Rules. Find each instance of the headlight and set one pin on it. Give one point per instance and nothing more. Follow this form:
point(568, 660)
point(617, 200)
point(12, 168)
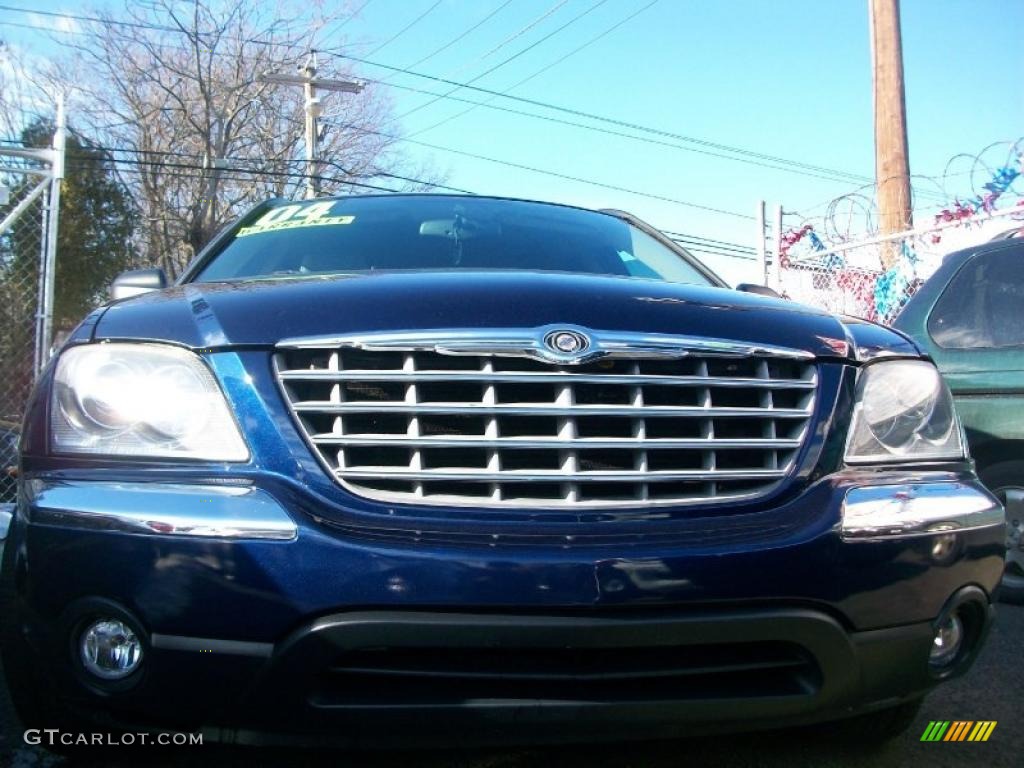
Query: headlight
point(141, 400)
point(903, 411)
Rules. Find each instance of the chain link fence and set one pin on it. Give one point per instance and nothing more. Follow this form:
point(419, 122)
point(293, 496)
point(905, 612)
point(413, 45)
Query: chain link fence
point(874, 278)
point(852, 282)
point(24, 183)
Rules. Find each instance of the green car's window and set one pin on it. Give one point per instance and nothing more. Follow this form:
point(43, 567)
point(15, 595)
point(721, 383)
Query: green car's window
point(983, 305)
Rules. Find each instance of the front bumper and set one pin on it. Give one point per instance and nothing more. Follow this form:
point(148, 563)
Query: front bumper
point(417, 678)
point(648, 675)
point(273, 621)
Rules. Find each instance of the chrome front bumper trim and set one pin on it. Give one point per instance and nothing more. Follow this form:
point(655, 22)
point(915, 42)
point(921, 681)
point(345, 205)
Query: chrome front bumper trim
point(211, 645)
point(206, 511)
point(917, 509)
point(530, 342)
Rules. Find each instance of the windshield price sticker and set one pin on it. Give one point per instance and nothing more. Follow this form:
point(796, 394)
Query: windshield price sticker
point(294, 216)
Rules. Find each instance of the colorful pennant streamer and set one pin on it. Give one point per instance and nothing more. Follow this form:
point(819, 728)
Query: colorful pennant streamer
point(963, 210)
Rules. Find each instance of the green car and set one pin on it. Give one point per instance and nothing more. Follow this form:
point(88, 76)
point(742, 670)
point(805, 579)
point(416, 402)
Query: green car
point(970, 317)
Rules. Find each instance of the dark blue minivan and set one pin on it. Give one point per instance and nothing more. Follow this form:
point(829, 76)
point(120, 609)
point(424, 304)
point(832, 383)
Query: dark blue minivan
point(415, 469)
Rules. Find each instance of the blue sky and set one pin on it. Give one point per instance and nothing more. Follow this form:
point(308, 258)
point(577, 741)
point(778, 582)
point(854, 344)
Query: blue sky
point(790, 79)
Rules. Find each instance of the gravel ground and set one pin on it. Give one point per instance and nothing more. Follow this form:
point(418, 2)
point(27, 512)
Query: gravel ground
point(993, 690)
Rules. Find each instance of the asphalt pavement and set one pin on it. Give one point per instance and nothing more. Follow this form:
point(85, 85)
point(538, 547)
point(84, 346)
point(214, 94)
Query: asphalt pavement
point(992, 690)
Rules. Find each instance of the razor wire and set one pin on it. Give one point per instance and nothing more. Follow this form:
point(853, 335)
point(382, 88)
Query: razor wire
point(837, 261)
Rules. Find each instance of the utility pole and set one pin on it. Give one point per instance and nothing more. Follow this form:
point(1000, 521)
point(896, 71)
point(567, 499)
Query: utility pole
point(892, 169)
point(310, 82)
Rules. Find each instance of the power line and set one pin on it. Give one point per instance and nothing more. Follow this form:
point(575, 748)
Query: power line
point(590, 182)
point(207, 170)
point(609, 131)
point(439, 148)
point(554, 174)
point(464, 34)
point(405, 29)
point(44, 29)
point(703, 248)
point(518, 166)
point(171, 174)
point(559, 121)
point(76, 163)
point(138, 167)
point(262, 172)
point(609, 120)
point(692, 242)
point(73, 164)
point(507, 110)
point(410, 179)
point(143, 25)
point(547, 118)
point(733, 248)
point(354, 14)
point(508, 60)
point(717, 253)
point(587, 44)
point(714, 249)
point(684, 235)
point(518, 33)
point(96, 19)
point(782, 163)
point(543, 69)
point(135, 25)
point(160, 153)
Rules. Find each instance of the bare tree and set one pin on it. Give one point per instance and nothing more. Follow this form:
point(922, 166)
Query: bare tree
point(176, 88)
point(17, 106)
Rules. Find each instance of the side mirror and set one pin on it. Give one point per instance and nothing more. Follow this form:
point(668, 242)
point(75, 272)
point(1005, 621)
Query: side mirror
point(760, 290)
point(136, 281)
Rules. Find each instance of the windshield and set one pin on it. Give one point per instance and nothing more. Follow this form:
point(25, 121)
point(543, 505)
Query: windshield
point(433, 232)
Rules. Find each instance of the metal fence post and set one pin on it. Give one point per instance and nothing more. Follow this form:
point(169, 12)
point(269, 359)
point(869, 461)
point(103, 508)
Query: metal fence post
point(52, 224)
point(762, 256)
point(39, 349)
point(776, 280)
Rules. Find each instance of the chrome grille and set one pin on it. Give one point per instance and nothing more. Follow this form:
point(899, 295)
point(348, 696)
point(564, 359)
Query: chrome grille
point(494, 419)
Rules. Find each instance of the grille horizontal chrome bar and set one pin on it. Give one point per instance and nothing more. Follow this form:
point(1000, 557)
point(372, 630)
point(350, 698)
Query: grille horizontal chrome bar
point(524, 409)
point(562, 476)
point(541, 442)
point(542, 376)
point(494, 418)
point(526, 342)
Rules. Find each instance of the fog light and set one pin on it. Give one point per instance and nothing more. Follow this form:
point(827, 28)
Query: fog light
point(110, 649)
point(949, 639)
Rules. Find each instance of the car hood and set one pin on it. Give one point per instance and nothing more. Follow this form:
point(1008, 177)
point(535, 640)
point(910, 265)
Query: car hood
point(263, 312)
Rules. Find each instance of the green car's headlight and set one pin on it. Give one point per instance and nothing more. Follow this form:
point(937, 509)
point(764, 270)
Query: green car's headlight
point(141, 400)
point(904, 411)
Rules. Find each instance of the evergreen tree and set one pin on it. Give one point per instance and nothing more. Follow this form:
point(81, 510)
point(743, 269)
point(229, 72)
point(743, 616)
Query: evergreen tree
point(96, 226)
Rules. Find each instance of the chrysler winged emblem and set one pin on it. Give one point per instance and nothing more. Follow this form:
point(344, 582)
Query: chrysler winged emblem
point(566, 342)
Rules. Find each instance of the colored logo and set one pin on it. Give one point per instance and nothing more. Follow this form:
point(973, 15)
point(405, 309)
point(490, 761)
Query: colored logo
point(958, 730)
point(567, 342)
